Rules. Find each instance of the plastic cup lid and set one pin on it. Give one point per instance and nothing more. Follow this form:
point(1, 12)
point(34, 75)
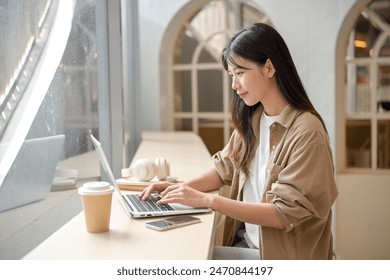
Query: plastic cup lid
point(95, 188)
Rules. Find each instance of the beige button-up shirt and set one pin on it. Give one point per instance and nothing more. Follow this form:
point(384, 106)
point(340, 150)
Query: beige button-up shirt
point(300, 184)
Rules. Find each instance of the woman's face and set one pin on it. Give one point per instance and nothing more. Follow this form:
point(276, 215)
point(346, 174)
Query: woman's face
point(250, 81)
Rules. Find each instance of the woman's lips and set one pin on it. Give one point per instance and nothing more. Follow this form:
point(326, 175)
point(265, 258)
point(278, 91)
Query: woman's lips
point(242, 94)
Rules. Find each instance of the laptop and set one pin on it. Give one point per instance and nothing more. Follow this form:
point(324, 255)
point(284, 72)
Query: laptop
point(31, 175)
point(136, 207)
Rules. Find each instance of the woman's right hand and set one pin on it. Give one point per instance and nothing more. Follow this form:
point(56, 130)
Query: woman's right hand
point(156, 187)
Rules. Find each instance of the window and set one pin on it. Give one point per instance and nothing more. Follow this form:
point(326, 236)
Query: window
point(201, 88)
point(367, 110)
point(20, 27)
point(70, 105)
point(50, 81)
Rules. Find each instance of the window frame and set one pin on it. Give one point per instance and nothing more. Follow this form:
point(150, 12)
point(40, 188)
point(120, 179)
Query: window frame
point(342, 105)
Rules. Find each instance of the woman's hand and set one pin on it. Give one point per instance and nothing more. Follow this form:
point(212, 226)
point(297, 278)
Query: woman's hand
point(186, 195)
point(157, 187)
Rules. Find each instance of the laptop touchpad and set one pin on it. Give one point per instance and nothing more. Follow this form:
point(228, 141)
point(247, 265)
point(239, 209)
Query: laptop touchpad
point(179, 206)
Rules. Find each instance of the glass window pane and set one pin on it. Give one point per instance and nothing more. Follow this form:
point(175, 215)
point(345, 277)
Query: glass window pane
point(185, 47)
point(182, 91)
point(208, 21)
point(217, 43)
point(211, 132)
point(384, 144)
point(183, 124)
point(210, 91)
point(70, 106)
point(365, 37)
point(206, 57)
point(385, 50)
point(20, 24)
point(19, 21)
point(384, 89)
point(382, 8)
point(358, 142)
point(358, 90)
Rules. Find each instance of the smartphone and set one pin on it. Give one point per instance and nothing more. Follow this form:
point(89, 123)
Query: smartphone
point(174, 222)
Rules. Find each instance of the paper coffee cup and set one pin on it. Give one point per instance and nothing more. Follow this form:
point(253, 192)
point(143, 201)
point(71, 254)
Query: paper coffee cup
point(96, 199)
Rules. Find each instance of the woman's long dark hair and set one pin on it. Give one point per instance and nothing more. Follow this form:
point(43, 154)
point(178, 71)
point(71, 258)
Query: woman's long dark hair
point(257, 43)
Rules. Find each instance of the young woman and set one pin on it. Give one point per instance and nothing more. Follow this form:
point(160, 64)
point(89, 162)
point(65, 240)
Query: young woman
point(278, 161)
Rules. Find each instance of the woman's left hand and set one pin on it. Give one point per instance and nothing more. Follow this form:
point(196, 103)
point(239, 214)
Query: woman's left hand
point(185, 195)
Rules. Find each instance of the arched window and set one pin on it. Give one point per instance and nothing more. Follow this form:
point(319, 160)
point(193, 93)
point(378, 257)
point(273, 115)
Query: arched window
point(363, 130)
point(367, 89)
point(199, 89)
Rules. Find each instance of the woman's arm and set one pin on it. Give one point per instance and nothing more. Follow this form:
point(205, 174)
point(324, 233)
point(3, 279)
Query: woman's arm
point(206, 182)
point(194, 193)
point(209, 181)
point(263, 214)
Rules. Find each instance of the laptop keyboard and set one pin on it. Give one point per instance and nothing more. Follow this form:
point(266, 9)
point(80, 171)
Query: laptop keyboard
point(149, 205)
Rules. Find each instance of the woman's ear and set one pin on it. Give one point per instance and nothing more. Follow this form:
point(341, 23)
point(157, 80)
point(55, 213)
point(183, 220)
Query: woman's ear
point(270, 68)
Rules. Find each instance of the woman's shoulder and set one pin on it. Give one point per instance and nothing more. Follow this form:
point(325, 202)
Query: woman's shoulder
point(309, 126)
point(309, 121)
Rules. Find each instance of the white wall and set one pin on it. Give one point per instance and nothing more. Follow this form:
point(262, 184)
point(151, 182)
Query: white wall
point(154, 16)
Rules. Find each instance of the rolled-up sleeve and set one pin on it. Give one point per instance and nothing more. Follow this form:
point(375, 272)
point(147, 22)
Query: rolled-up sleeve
point(223, 162)
point(304, 186)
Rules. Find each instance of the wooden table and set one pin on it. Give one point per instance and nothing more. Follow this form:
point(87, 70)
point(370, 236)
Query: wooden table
point(128, 238)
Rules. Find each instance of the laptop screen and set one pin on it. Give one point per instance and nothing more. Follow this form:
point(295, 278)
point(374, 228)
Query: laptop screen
point(107, 170)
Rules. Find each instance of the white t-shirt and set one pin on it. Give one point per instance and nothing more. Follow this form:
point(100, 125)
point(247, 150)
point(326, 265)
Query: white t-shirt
point(255, 181)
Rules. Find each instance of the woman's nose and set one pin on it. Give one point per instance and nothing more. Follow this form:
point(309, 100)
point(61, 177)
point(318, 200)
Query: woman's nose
point(234, 85)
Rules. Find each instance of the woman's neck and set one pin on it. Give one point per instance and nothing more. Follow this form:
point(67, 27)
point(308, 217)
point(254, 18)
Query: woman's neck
point(275, 105)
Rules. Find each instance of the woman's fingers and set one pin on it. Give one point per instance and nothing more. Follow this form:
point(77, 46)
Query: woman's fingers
point(169, 190)
point(157, 187)
point(185, 195)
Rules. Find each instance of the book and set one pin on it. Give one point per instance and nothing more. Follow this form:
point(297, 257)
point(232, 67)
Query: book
point(132, 184)
point(65, 179)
